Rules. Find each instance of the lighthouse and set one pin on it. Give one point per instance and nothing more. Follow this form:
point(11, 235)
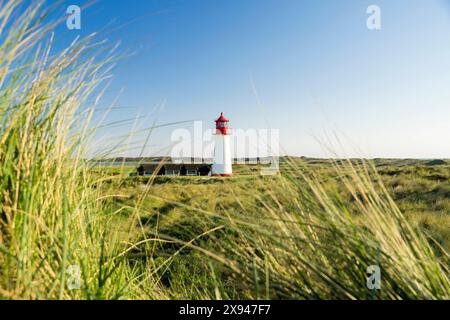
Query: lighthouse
point(222, 150)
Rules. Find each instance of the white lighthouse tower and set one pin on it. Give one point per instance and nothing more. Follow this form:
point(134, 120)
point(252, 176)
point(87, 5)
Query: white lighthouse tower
point(222, 165)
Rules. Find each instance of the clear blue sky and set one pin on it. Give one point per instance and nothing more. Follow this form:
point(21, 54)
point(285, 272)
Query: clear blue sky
point(315, 66)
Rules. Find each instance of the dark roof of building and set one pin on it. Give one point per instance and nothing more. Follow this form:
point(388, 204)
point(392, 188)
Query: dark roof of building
point(172, 166)
point(196, 166)
point(150, 166)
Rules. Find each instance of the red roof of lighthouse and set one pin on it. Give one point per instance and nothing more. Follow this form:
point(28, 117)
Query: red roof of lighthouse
point(222, 118)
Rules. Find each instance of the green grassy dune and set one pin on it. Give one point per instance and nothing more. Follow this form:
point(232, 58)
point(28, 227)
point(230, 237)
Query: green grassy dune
point(69, 230)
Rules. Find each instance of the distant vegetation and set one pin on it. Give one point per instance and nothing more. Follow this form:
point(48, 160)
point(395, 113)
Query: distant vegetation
point(307, 233)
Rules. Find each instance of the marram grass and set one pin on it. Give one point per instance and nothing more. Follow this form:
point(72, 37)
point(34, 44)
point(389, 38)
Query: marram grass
point(289, 236)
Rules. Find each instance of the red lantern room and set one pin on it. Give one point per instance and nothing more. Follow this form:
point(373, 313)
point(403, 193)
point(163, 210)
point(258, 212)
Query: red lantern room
point(222, 125)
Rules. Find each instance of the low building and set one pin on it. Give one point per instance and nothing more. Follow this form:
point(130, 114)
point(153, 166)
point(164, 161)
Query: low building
point(174, 170)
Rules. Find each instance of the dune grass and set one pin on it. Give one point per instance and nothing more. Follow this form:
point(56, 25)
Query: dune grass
point(286, 236)
point(47, 199)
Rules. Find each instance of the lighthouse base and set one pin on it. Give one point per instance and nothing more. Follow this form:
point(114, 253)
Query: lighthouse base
point(222, 166)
